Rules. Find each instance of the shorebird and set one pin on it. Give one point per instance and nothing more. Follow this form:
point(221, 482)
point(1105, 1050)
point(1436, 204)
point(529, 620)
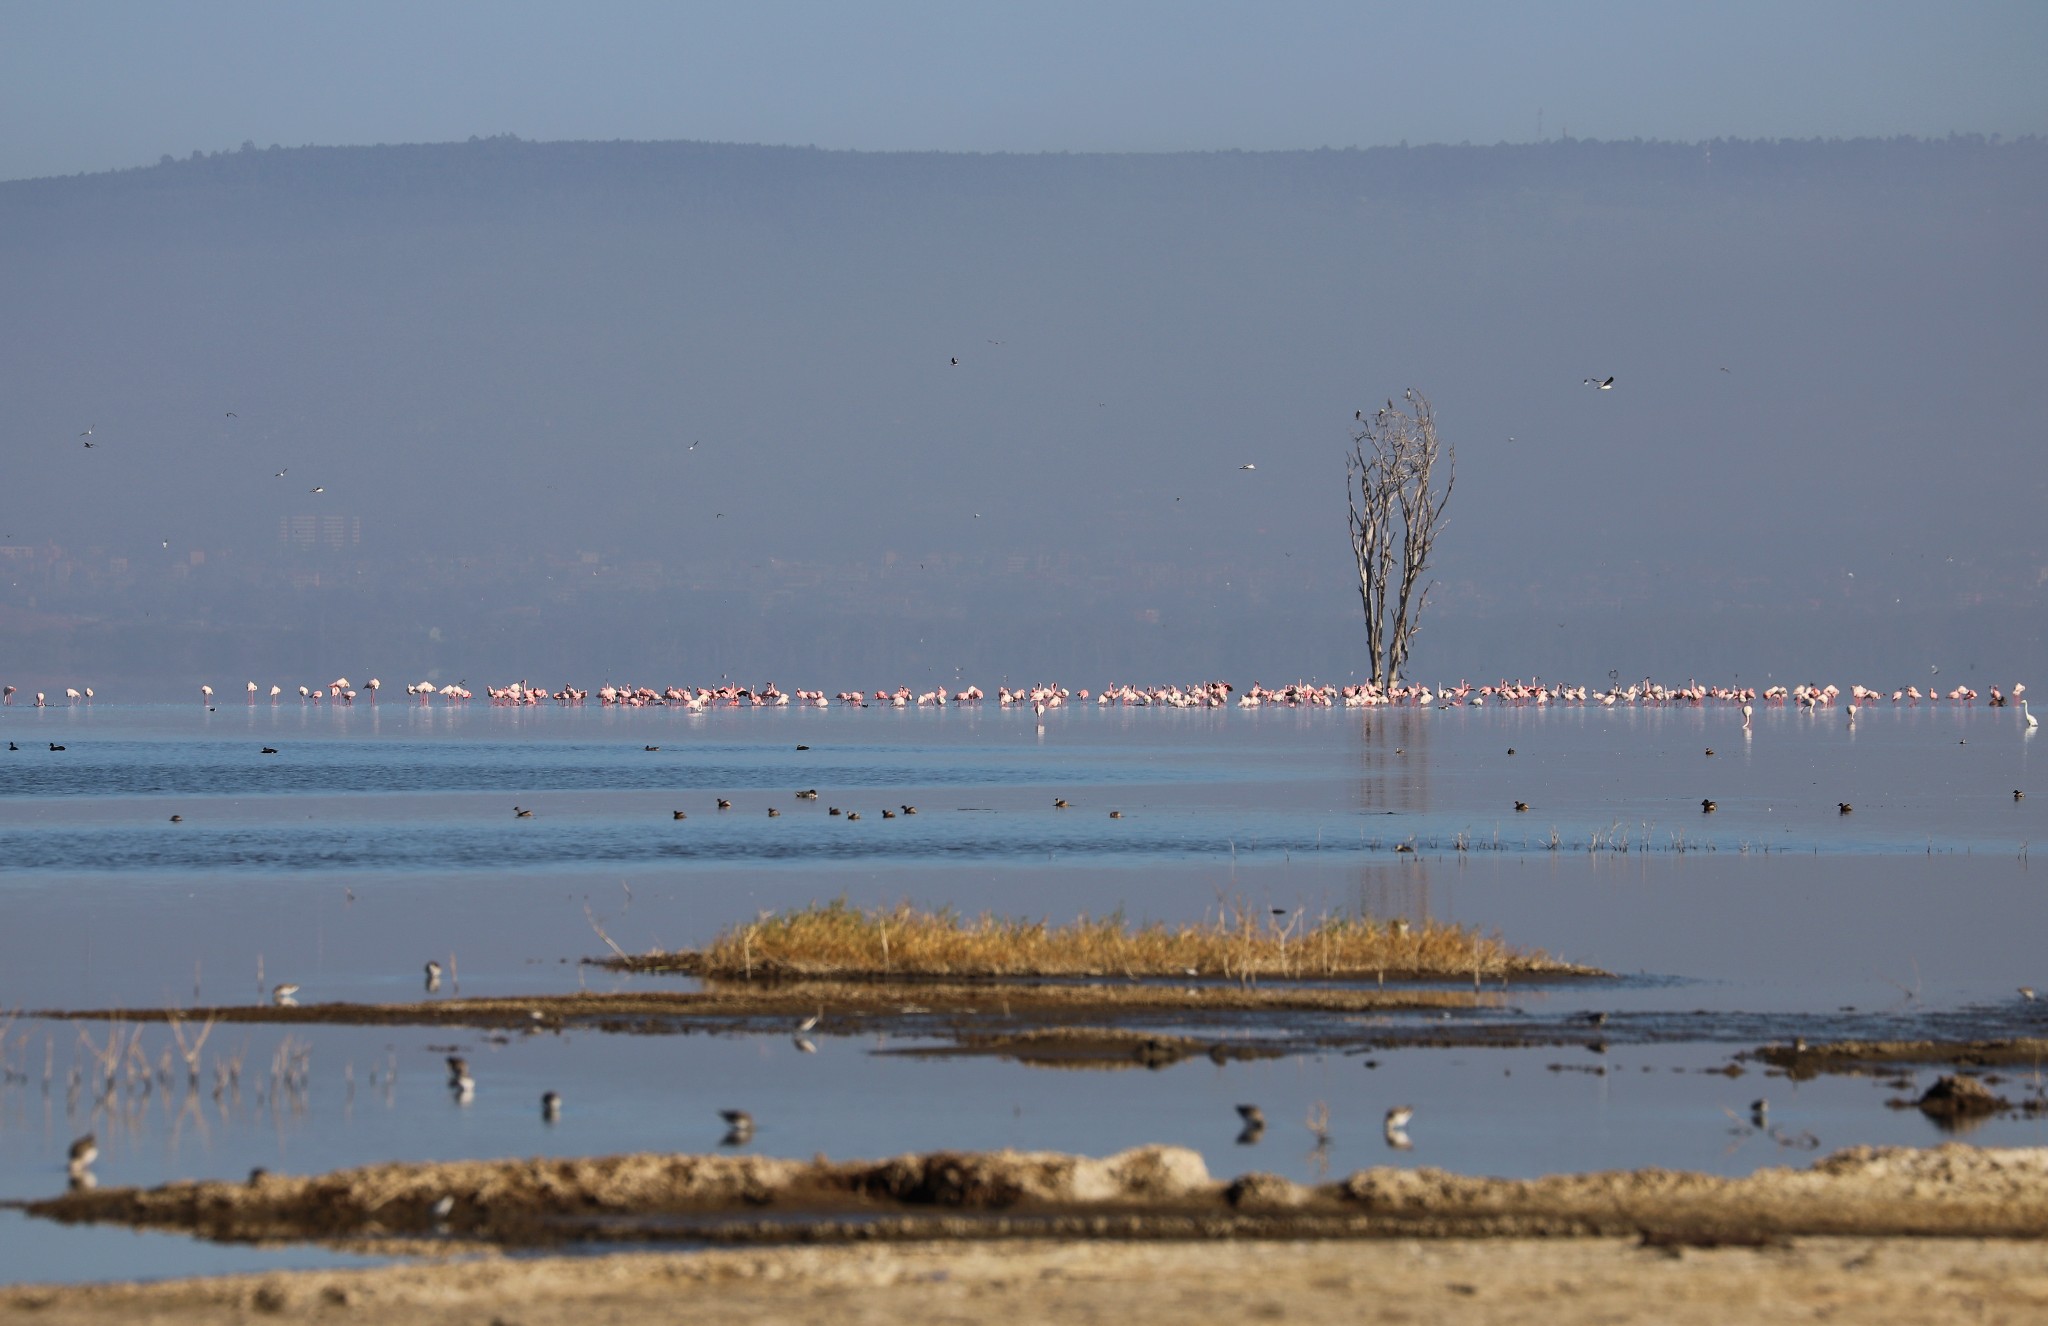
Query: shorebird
point(739, 1127)
point(809, 1022)
point(285, 996)
point(459, 1081)
point(1760, 1112)
point(2027, 993)
point(550, 1106)
point(433, 975)
point(1252, 1115)
point(1395, 1127)
point(84, 1151)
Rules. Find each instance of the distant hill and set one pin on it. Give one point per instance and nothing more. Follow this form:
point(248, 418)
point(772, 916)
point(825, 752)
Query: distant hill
point(494, 359)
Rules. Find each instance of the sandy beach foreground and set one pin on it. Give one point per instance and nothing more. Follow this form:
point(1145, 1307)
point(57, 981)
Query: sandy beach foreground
point(1404, 1280)
point(1867, 1234)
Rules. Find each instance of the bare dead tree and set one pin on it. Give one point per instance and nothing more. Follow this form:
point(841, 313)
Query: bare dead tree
point(1397, 511)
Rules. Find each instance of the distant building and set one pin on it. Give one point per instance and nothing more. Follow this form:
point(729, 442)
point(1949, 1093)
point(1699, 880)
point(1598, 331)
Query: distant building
point(320, 531)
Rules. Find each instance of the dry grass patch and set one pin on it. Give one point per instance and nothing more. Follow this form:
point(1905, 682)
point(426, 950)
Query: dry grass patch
point(844, 942)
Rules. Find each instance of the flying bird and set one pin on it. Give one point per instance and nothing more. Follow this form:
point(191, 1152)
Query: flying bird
point(316, 490)
point(1247, 467)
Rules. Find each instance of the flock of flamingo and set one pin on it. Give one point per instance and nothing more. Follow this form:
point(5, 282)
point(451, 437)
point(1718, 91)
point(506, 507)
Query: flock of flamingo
point(1202, 695)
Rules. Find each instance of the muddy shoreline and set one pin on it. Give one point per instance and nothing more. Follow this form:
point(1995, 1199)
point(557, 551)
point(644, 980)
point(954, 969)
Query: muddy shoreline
point(1146, 1193)
point(1876, 1234)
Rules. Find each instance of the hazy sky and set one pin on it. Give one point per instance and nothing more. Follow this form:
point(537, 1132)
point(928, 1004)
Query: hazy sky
point(88, 85)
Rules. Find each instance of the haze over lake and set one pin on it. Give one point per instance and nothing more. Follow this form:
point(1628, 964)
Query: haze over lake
point(665, 411)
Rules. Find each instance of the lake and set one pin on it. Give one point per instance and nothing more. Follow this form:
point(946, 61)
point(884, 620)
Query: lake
point(379, 836)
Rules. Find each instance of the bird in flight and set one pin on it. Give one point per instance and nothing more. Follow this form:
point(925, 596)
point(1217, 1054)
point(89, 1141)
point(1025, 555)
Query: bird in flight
point(233, 415)
point(956, 361)
point(1247, 467)
point(1607, 385)
point(280, 474)
point(316, 490)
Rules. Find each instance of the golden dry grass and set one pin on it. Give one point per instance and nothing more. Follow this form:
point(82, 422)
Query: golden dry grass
point(838, 940)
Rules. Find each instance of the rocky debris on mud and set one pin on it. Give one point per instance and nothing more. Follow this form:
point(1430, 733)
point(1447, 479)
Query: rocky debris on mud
point(1960, 1097)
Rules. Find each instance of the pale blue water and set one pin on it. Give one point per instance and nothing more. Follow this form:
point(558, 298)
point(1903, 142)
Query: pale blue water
point(380, 836)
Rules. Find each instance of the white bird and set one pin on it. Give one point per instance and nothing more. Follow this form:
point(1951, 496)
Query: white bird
point(1247, 467)
point(2028, 718)
point(285, 996)
point(316, 490)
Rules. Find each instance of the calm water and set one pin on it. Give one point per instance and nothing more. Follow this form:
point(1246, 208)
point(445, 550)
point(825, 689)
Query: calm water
point(380, 836)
